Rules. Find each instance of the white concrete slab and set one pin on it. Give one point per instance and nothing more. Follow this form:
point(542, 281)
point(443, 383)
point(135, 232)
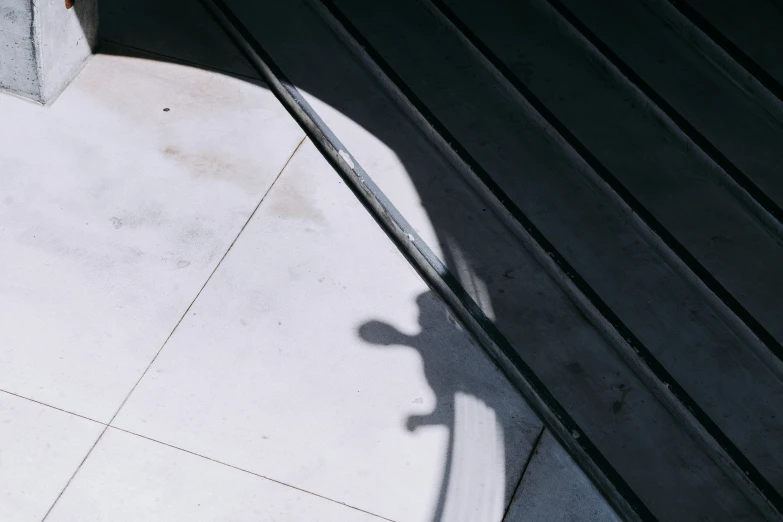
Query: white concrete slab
point(555, 489)
point(40, 448)
point(113, 213)
point(128, 479)
point(316, 356)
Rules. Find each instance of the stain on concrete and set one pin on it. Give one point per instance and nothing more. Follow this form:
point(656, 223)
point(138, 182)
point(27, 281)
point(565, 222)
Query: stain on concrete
point(205, 164)
point(291, 204)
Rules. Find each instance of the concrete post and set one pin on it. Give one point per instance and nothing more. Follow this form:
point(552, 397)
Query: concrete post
point(43, 44)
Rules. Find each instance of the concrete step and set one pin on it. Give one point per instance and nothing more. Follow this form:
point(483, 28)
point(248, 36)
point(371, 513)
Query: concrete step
point(445, 77)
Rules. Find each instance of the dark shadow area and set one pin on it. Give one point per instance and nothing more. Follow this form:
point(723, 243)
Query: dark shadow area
point(444, 385)
point(461, 407)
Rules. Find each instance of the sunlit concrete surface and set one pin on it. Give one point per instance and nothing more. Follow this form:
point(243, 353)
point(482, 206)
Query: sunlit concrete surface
point(40, 447)
point(316, 356)
point(129, 478)
point(314, 376)
point(113, 214)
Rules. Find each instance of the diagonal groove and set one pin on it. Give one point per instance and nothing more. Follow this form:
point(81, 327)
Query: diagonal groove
point(52, 407)
point(536, 443)
point(248, 472)
point(182, 317)
point(265, 477)
point(185, 313)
